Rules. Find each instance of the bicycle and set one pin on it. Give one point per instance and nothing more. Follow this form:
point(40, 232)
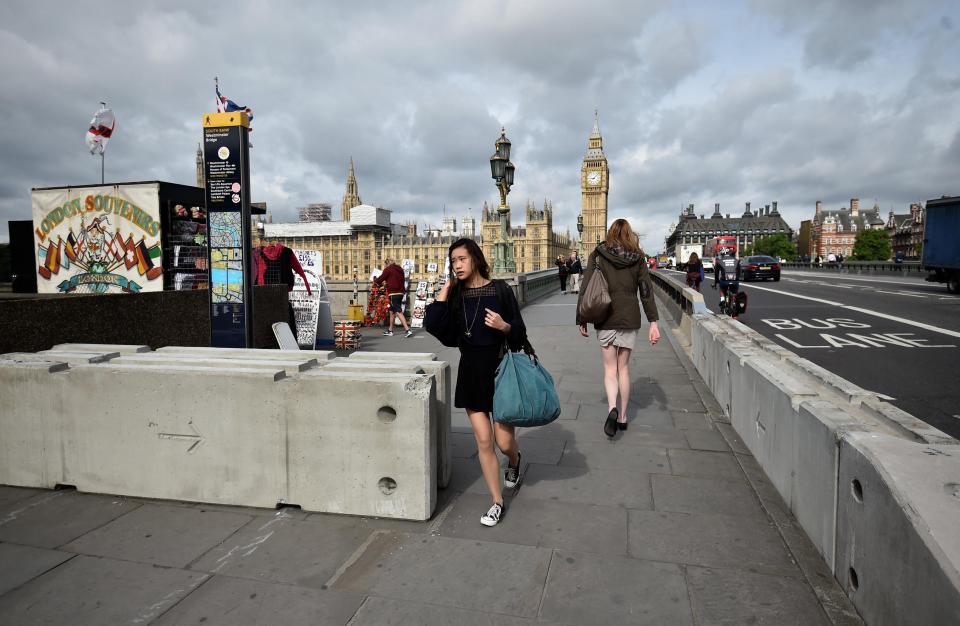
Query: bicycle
point(733, 302)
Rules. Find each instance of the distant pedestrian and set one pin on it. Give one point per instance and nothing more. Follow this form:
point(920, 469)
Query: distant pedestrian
point(623, 265)
point(564, 271)
point(831, 259)
point(454, 319)
point(694, 271)
point(394, 279)
point(840, 261)
point(576, 270)
point(819, 261)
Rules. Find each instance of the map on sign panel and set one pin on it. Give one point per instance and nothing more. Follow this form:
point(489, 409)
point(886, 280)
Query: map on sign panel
point(226, 257)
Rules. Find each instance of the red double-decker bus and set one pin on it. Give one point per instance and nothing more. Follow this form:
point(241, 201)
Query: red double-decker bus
point(711, 247)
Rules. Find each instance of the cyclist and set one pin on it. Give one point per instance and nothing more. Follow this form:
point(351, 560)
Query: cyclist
point(726, 272)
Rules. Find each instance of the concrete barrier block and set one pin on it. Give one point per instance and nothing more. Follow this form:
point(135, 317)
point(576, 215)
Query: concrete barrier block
point(122, 348)
point(30, 409)
point(853, 394)
point(368, 449)
point(249, 353)
point(181, 433)
point(905, 424)
point(58, 356)
point(393, 356)
point(898, 545)
point(290, 367)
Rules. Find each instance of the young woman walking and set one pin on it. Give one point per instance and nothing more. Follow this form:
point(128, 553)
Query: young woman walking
point(623, 265)
point(694, 271)
point(472, 313)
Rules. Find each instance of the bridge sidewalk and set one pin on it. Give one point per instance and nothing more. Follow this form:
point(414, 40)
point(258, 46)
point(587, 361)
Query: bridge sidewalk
point(659, 526)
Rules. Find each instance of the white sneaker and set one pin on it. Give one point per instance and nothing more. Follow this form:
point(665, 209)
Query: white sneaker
point(492, 516)
point(511, 477)
point(388, 333)
point(409, 333)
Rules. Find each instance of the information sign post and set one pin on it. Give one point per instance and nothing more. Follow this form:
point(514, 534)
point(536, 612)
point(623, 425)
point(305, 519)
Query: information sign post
point(226, 152)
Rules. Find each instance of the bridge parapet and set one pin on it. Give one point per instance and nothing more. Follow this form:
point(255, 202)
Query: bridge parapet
point(873, 487)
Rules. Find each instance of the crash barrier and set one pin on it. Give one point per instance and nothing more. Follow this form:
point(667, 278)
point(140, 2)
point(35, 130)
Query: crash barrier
point(883, 268)
point(876, 490)
point(161, 318)
point(229, 426)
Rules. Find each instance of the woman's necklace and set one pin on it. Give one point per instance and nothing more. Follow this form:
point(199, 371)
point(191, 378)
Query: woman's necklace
point(463, 305)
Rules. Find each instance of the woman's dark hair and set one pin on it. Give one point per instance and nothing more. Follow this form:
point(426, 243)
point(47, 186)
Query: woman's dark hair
point(480, 266)
point(693, 258)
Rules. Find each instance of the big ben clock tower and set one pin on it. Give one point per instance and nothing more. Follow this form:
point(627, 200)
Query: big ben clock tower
point(594, 186)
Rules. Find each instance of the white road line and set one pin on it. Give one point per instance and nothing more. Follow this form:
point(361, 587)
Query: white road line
point(902, 320)
point(789, 274)
point(900, 293)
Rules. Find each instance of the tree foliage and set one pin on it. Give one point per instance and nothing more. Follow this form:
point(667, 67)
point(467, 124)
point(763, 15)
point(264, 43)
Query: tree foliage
point(871, 245)
point(777, 246)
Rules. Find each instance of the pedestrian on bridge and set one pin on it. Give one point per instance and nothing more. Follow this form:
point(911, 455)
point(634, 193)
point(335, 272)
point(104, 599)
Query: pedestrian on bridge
point(564, 271)
point(623, 264)
point(454, 318)
point(576, 269)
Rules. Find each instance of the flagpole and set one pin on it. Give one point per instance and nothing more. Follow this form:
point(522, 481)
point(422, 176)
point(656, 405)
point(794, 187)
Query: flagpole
point(101, 167)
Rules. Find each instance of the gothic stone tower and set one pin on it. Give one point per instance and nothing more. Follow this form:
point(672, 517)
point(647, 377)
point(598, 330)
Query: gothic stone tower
point(351, 196)
point(200, 174)
point(594, 186)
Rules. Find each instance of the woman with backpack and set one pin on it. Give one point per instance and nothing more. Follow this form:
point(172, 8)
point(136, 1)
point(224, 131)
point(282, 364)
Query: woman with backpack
point(481, 317)
point(694, 271)
point(622, 263)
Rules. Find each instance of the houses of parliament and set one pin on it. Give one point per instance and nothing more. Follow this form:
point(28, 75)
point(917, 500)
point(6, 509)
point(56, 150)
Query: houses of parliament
point(365, 235)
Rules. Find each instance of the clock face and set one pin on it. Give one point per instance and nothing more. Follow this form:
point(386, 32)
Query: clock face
point(593, 178)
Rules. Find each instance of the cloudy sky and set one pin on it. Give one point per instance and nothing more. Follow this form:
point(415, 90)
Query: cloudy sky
point(700, 102)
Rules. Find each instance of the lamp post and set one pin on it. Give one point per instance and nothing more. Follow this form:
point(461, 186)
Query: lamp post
point(502, 170)
point(580, 236)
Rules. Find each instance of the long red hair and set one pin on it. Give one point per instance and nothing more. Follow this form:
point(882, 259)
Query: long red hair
point(620, 234)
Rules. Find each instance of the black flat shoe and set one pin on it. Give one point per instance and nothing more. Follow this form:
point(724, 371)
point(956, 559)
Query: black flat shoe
point(610, 426)
point(622, 425)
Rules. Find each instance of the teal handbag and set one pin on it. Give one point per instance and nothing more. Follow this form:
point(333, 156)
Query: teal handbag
point(525, 394)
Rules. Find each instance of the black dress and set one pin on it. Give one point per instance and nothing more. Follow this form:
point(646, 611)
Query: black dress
point(481, 347)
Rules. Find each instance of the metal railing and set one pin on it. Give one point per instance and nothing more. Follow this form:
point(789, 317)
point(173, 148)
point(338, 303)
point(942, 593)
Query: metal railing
point(907, 268)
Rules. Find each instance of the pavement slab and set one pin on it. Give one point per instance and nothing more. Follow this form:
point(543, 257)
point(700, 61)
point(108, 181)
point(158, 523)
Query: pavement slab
point(737, 597)
point(389, 612)
point(460, 573)
point(682, 494)
point(12, 495)
point(609, 455)
point(162, 535)
point(226, 601)
point(543, 523)
point(741, 542)
point(587, 486)
point(20, 564)
point(97, 591)
point(591, 589)
point(53, 518)
point(710, 440)
point(705, 464)
point(689, 420)
point(282, 550)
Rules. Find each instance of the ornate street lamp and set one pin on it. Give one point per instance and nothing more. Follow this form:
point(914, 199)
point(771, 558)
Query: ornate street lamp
point(502, 171)
point(580, 236)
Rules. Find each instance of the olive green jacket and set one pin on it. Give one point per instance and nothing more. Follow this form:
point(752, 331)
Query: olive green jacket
point(626, 274)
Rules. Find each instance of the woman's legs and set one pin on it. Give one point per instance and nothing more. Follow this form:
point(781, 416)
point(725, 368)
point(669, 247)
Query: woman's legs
point(563, 283)
point(489, 465)
point(610, 378)
point(623, 378)
point(507, 442)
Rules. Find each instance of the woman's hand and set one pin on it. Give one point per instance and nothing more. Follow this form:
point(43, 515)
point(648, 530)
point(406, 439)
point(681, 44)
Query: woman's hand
point(442, 294)
point(493, 320)
point(654, 335)
point(583, 330)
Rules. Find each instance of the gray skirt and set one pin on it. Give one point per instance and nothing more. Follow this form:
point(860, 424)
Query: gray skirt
point(624, 338)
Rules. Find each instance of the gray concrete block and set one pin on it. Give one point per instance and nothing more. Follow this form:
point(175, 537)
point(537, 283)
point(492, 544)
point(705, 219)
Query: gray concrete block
point(393, 356)
point(77, 357)
point(738, 597)
point(88, 590)
point(475, 575)
point(388, 612)
point(284, 550)
point(705, 464)
point(585, 527)
point(237, 602)
point(21, 564)
point(54, 518)
point(709, 540)
point(291, 367)
point(898, 549)
point(122, 348)
point(587, 486)
point(162, 535)
point(249, 353)
point(706, 440)
point(612, 456)
point(590, 589)
point(682, 494)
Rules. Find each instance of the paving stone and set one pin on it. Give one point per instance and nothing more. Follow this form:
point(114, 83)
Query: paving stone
point(545, 523)
point(706, 440)
point(162, 535)
point(610, 455)
point(20, 564)
point(388, 612)
point(587, 486)
point(591, 589)
point(689, 420)
point(707, 464)
point(476, 575)
point(304, 553)
point(9, 496)
point(732, 438)
point(588, 428)
point(569, 410)
point(463, 445)
point(92, 590)
point(53, 518)
point(544, 451)
point(709, 540)
point(738, 597)
point(682, 494)
point(239, 602)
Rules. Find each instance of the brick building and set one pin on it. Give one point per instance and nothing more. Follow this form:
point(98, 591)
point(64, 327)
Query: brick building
point(906, 232)
point(834, 231)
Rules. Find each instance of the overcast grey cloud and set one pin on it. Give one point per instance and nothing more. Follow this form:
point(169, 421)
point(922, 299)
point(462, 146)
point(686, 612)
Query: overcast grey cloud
point(699, 102)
